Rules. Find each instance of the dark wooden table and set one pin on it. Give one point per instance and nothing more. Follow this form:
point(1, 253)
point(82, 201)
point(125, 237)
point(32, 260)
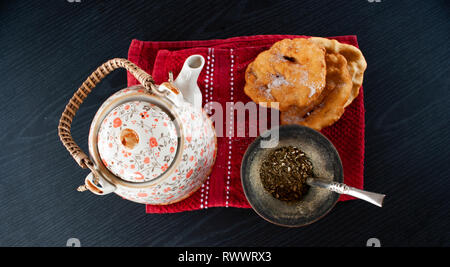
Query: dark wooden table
point(49, 47)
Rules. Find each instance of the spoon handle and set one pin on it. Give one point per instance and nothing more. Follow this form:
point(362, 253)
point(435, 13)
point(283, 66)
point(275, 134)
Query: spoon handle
point(374, 198)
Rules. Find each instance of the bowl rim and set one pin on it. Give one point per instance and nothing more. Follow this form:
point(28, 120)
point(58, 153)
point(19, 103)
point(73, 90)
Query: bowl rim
point(247, 154)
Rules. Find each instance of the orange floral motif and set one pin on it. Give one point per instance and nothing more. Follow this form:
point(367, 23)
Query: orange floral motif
point(140, 176)
point(144, 115)
point(142, 194)
point(117, 122)
point(153, 142)
point(126, 154)
point(164, 167)
point(172, 149)
point(189, 173)
point(147, 160)
point(189, 138)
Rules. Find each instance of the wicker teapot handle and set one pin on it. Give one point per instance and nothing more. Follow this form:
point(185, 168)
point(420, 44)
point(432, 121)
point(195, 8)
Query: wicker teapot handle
point(77, 99)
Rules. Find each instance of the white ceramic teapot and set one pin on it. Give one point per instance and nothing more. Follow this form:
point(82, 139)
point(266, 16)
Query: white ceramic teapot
point(148, 143)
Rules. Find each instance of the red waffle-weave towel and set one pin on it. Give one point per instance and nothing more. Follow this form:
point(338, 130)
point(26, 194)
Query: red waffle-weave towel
point(222, 80)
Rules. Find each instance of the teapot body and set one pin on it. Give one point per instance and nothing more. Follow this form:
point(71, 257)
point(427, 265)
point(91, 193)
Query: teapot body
point(150, 150)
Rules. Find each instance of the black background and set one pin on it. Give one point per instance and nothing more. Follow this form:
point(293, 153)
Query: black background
point(48, 48)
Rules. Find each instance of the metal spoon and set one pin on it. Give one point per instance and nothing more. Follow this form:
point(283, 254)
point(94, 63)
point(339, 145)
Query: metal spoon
point(374, 198)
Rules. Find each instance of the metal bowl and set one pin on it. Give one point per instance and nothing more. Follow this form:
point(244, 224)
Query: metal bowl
point(317, 202)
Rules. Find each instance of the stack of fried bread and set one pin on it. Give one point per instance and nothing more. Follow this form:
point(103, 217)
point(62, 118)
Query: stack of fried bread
point(310, 81)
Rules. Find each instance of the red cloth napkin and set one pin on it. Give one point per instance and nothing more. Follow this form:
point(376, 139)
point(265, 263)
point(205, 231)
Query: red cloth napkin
point(222, 80)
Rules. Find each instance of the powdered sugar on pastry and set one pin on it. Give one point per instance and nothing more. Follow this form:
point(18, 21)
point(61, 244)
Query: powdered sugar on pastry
point(277, 81)
point(293, 70)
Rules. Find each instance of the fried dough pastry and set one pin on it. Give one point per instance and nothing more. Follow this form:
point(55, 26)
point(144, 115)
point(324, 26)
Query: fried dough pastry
point(356, 64)
point(337, 91)
point(292, 72)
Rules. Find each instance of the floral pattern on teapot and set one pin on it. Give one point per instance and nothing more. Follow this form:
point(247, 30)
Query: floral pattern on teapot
point(137, 141)
point(197, 159)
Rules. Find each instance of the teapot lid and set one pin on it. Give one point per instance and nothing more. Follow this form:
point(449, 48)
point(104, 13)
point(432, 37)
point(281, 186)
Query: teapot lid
point(137, 141)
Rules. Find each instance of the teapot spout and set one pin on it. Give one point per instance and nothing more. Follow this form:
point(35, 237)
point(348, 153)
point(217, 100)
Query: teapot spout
point(187, 80)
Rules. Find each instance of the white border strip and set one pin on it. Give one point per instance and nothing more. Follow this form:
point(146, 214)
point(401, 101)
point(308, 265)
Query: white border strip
point(227, 195)
point(207, 79)
point(211, 83)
